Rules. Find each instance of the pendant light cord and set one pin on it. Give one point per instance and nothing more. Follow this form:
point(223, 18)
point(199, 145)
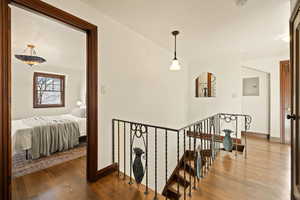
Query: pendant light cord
point(175, 55)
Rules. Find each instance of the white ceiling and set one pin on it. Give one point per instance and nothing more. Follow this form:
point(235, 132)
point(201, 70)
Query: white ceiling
point(207, 26)
point(59, 44)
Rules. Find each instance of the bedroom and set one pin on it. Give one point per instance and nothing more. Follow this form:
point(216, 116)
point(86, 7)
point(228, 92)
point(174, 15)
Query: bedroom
point(48, 93)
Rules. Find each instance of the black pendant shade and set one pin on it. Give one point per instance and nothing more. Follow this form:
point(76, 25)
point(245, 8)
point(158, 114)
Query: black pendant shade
point(31, 59)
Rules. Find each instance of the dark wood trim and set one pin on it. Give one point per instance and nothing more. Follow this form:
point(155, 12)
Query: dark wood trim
point(256, 134)
point(63, 89)
point(293, 17)
point(197, 87)
point(5, 73)
point(294, 56)
point(283, 91)
point(48, 10)
point(106, 171)
point(275, 139)
point(209, 75)
point(43, 8)
point(92, 103)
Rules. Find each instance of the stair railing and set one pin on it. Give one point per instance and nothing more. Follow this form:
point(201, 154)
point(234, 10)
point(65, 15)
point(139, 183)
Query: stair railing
point(176, 149)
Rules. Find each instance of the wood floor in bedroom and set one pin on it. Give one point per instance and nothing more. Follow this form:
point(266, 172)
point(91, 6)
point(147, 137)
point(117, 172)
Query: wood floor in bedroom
point(265, 175)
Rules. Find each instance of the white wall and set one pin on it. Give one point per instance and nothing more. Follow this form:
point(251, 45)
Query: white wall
point(134, 77)
point(228, 87)
point(257, 106)
point(22, 87)
point(293, 3)
point(271, 65)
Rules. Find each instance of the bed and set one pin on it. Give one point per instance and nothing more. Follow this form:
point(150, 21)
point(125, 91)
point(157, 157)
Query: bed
point(22, 131)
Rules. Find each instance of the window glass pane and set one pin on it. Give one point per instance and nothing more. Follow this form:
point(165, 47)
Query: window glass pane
point(48, 98)
point(56, 81)
point(41, 79)
point(49, 90)
point(56, 87)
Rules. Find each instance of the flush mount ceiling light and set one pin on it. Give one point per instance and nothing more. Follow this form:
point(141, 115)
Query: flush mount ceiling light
point(175, 63)
point(240, 2)
point(30, 58)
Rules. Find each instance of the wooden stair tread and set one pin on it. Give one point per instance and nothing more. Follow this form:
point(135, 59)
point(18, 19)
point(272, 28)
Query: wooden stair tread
point(185, 166)
point(172, 193)
point(208, 136)
point(190, 155)
point(178, 178)
point(188, 167)
point(238, 147)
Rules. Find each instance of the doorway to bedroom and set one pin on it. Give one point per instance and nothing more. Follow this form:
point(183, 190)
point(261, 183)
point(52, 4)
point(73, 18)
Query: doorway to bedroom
point(48, 104)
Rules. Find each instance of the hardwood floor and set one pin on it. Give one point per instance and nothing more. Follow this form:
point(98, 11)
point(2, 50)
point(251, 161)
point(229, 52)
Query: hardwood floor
point(265, 175)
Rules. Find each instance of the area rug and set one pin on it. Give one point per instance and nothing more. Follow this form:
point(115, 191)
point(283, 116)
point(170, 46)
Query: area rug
point(21, 166)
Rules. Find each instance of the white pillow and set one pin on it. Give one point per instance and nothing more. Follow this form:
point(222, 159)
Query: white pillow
point(79, 112)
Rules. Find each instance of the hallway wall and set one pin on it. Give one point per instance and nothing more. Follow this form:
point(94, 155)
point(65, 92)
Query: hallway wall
point(257, 106)
point(228, 87)
point(135, 83)
point(271, 65)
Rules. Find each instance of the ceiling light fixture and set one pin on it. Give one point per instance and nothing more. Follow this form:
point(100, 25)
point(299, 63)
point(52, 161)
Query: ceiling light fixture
point(31, 58)
point(175, 63)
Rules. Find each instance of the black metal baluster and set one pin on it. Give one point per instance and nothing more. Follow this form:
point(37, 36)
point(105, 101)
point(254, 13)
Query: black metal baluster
point(236, 135)
point(124, 150)
point(206, 145)
point(245, 137)
point(184, 166)
point(178, 161)
point(130, 181)
point(219, 132)
point(166, 158)
point(118, 148)
point(204, 148)
point(155, 161)
point(147, 186)
point(210, 141)
point(195, 131)
point(201, 146)
point(190, 188)
point(213, 137)
point(113, 141)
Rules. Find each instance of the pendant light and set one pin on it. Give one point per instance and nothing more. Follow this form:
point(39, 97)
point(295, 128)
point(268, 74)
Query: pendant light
point(175, 63)
point(31, 58)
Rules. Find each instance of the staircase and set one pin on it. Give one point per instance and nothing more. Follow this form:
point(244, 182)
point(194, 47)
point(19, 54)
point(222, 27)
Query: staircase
point(184, 174)
point(204, 136)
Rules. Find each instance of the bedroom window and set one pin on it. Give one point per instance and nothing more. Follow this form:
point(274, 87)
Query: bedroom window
point(48, 90)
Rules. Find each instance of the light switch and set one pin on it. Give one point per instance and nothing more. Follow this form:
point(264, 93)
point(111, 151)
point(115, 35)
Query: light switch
point(103, 89)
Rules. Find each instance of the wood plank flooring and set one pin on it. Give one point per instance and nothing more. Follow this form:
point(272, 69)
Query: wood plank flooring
point(265, 175)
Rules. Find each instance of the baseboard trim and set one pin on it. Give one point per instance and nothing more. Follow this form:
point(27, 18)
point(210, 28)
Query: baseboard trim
point(105, 171)
point(275, 139)
point(256, 134)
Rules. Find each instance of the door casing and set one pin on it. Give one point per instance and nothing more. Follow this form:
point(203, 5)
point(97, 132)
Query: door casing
point(295, 137)
point(42, 8)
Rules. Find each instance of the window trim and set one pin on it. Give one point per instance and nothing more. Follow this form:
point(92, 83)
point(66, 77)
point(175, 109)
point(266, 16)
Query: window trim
point(62, 79)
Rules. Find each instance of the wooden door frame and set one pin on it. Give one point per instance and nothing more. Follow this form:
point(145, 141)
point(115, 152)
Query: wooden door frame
point(295, 192)
point(91, 31)
point(282, 102)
